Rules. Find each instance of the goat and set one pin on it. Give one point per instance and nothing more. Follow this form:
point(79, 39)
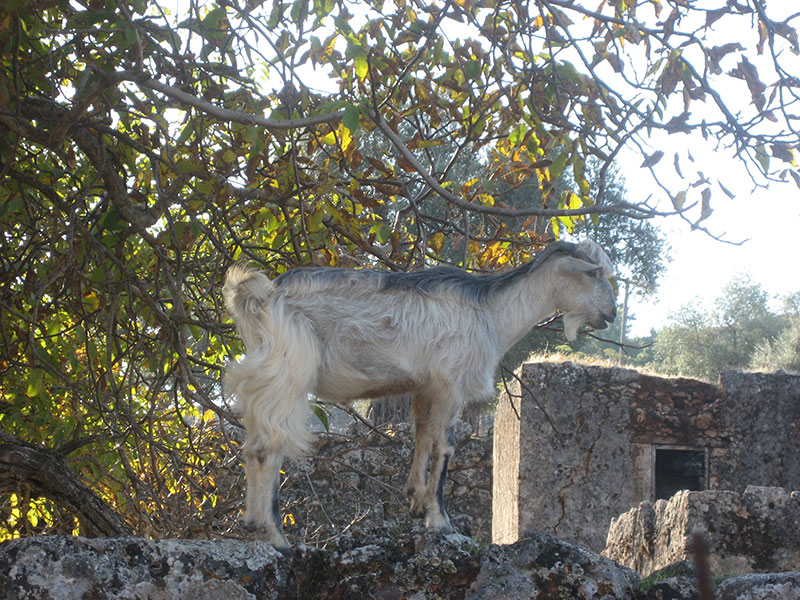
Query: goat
point(343, 334)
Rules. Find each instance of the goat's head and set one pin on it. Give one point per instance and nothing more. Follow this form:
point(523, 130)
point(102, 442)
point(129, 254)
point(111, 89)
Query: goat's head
point(584, 292)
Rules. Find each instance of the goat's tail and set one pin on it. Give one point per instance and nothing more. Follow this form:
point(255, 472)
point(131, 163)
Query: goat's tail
point(246, 291)
point(272, 382)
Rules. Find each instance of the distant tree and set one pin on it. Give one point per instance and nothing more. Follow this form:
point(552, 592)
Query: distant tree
point(686, 346)
point(745, 319)
point(783, 351)
point(702, 344)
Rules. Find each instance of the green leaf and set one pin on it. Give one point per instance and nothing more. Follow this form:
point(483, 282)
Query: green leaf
point(763, 158)
point(9, 207)
point(214, 17)
point(35, 380)
point(517, 135)
point(321, 415)
point(186, 133)
point(112, 221)
point(557, 168)
point(473, 69)
point(352, 118)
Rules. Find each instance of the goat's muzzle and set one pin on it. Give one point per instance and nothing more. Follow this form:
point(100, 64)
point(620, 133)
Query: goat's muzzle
point(604, 319)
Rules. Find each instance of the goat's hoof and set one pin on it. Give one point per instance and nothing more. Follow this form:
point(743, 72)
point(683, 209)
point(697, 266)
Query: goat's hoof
point(417, 508)
point(444, 530)
point(439, 522)
point(264, 533)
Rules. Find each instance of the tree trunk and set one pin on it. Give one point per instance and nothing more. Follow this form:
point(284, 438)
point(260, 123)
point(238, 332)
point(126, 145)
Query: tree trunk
point(392, 409)
point(48, 475)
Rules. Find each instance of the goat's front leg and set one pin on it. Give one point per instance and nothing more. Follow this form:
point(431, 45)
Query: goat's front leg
point(421, 409)
point(262, 515)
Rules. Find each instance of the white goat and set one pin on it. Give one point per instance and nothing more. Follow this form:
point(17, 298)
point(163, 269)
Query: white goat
point(343, 334)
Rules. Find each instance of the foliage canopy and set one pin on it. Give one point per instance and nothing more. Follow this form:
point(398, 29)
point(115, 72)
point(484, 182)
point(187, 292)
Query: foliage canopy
point(741, 331)
point(145, 145)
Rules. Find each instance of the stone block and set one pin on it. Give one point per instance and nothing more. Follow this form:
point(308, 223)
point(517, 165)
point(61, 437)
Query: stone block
point(755, 531)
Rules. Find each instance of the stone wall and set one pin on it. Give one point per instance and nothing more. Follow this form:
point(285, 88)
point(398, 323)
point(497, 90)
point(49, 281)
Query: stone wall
point(575, 446)
point(356, 479)
point(756, 531)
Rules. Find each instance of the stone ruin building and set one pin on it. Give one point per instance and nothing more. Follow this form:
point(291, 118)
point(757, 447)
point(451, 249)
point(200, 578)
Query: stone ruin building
point(576, 446)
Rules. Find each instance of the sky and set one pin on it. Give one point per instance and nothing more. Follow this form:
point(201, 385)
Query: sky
point(700, 266)
point(766, 221)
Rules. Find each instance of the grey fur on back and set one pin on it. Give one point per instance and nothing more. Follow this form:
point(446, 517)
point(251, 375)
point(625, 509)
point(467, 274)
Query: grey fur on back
point(477, 288)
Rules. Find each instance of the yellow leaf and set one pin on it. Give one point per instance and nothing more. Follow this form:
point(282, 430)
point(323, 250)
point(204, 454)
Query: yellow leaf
point(91, 301)
point(471, 182)
point(436, 241)
point(345, 136)
point(361, 66)
point(574, 201)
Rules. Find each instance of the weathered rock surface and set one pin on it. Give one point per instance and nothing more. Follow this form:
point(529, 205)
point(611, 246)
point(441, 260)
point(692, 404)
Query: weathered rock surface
point(675, 582)
point(416, 564)
point(65, 568)
point(761, 586)
point(673, 588)
point(544, 567)
point(757, 531)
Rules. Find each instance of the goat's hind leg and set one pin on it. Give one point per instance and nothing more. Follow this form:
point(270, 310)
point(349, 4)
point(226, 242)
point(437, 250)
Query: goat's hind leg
point(275, 425)
point(262, 514)
point(434, 443)
point(435, 515)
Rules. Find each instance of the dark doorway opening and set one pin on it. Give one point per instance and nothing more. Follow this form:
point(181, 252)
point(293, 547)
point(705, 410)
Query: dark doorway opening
point(677, 470)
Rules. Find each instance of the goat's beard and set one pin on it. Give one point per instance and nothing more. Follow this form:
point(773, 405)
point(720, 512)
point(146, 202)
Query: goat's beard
point(572, 321)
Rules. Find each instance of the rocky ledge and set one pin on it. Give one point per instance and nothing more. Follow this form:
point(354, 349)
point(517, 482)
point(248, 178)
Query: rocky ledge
point(413, 564)
point(389, 564)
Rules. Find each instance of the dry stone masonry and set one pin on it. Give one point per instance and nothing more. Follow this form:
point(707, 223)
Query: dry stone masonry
point(577, 446)
point(415, 564)
point(357, 478)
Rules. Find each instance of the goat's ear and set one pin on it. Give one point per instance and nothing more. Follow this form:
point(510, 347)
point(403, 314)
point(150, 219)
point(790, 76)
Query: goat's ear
point(576, 265)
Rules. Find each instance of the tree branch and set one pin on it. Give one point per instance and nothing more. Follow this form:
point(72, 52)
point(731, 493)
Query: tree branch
point(235, 115)
point(624, 208)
